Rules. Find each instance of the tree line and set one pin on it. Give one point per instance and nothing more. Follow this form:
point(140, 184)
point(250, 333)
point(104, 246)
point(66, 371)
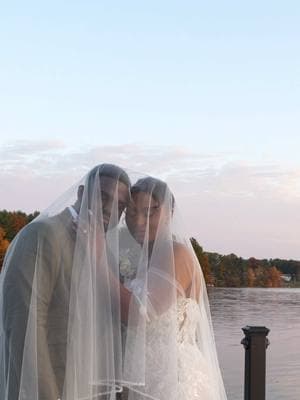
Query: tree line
point(233, 271)
point(219, 270)
point(11, 222)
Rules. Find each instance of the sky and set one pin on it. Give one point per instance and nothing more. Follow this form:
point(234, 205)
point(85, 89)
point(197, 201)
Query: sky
point(203, 94)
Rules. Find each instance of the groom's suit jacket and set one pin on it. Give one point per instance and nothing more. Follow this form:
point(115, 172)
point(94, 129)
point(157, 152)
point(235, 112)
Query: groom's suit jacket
point(39, 260)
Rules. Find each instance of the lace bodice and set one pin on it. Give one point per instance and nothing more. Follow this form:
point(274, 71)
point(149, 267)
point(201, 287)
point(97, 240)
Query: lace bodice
point(188, 378)
point(187, 319)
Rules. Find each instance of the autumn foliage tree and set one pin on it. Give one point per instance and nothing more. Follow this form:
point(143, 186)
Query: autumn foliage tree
point(203, 260)
point(274, 278)
point(250, 277)
point(3, 245)
point(11, 222)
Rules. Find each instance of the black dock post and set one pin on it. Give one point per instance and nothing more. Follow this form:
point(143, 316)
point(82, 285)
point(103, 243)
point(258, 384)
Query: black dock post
point(255, 343)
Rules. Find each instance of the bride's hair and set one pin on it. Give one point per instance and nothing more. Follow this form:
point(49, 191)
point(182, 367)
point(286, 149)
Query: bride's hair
point(158, 189)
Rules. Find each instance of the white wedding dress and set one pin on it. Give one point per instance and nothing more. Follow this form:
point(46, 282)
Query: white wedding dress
point(192, 381)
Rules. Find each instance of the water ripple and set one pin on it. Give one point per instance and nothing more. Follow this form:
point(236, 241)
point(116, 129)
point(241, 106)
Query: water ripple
point(278, 310)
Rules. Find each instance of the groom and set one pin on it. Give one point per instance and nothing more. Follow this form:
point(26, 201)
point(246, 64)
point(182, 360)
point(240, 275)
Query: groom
point(42, 254)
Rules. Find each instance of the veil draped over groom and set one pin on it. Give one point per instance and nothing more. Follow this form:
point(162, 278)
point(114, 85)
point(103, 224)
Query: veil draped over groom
point(89, 301)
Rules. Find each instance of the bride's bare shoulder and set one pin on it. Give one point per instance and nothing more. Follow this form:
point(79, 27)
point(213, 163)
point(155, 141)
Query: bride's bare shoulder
point(186, 266)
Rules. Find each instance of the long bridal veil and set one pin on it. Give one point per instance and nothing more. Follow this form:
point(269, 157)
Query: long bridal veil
point(101, 294)
point(169, 336)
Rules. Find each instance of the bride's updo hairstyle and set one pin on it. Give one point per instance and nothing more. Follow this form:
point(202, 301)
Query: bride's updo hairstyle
point(158, 189)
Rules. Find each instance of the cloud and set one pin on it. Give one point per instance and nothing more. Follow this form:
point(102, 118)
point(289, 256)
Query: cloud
point(29, 146)
point(230, 205)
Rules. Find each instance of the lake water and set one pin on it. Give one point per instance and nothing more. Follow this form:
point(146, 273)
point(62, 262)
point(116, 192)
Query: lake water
point(278, 310)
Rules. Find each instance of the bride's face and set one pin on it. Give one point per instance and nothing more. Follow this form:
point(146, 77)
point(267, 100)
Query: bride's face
point(142, 211)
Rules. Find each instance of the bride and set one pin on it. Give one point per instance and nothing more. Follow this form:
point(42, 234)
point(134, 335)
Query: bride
point(169, 337)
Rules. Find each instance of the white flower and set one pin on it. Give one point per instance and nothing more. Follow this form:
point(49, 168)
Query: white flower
point(127, 266)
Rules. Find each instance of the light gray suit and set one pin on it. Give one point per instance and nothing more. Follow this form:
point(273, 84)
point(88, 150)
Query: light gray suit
point(43, 249)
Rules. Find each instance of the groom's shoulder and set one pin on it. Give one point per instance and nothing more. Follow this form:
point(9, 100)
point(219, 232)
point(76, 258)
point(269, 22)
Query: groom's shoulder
point(41, 227)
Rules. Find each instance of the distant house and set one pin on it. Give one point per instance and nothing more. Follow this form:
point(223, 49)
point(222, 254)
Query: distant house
point(286, 277)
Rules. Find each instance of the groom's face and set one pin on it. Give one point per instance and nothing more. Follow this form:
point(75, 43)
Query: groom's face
point(114, 195)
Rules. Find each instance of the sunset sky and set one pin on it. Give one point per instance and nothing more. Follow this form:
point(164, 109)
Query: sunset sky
point(203, 94)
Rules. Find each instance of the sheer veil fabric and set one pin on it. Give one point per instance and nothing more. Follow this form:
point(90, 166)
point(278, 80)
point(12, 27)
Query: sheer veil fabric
point(102, 294)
